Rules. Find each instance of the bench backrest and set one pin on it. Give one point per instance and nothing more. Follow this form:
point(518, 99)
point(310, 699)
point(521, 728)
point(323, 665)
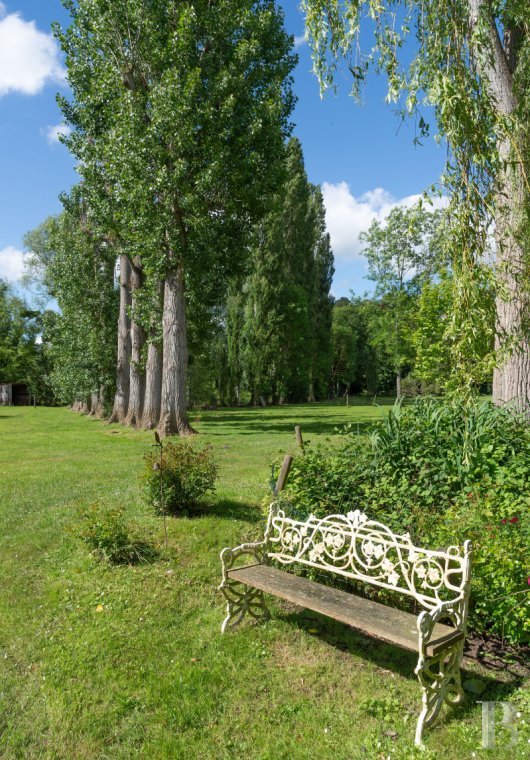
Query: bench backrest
point(355, 547)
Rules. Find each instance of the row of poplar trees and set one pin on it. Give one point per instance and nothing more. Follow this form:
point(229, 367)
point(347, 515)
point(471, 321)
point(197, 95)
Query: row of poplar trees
point(278, 320)
point(190, 200)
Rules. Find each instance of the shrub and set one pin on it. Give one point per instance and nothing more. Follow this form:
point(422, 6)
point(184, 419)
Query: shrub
point(500, 590)
point(104, 529)
point(187, 474)
point(444, 472)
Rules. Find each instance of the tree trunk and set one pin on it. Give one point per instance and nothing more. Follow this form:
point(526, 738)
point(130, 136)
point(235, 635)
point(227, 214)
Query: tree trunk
point(311, 395)
point(96, 405)
point(174, 406)
point(121, 399)
point(136, 374)
point(511, 377)
point(398, 384)
point(153, 387)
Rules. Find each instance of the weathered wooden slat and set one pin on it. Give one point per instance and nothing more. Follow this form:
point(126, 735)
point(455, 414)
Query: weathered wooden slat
point(370, 617)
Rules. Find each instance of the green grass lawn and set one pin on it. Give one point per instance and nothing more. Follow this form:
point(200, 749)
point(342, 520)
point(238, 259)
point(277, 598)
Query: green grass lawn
point(149, 675)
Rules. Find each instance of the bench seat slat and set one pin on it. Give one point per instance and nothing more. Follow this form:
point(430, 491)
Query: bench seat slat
point(370, 617)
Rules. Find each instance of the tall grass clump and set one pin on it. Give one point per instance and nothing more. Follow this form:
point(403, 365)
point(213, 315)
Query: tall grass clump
point(110, 537)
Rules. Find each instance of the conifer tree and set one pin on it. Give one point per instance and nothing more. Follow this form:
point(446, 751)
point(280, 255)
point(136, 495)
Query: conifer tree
point(321, 303)
point(288, 309)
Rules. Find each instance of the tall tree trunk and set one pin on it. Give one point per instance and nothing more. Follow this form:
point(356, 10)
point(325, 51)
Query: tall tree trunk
point(121, 399)
point(136, 374)
point(153, 367)
point(511, 377)
point(311, 395)
point(153, 387)
point(174, 405)
point(96, 405)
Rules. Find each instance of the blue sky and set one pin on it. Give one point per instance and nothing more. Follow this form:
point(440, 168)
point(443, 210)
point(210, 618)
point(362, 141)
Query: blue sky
point(362, 156)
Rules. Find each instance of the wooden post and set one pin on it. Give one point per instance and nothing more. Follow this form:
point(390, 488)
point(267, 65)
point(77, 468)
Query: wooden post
point(284, 472)
point(298, 433)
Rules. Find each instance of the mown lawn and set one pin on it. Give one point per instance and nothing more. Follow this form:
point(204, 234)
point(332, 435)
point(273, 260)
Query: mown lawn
point(149, 675)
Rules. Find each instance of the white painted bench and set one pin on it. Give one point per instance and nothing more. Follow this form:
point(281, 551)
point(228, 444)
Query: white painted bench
point(354, 547)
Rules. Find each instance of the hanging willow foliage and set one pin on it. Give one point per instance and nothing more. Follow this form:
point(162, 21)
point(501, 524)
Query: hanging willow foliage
point(470, 61)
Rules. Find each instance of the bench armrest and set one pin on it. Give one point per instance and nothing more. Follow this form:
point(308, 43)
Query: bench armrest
point(256, 551)
point(454, 611)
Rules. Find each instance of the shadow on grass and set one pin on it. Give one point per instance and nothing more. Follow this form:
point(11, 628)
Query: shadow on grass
point(136, 551)
point(248, 424)
point(388, 657)
point(229, 509)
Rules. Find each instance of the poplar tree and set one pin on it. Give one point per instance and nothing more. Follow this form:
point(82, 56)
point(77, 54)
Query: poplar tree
point(320, 302)
point(264, 315)
point(235, 323)
point(288, 310)
point(277, 323)
point(179, 112)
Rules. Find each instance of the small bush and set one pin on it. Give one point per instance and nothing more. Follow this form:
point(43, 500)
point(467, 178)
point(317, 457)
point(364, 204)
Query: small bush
point(104, 529)
point(187, 475)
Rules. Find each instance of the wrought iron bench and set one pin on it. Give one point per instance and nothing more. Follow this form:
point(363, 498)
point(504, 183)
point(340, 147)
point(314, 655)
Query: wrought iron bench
point(354, 547)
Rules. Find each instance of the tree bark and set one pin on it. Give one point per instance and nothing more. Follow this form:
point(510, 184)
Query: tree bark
point(96, 405)
point(174, 405)
point(136, 374)
point(311, 395)
point(398, 384)
point(511, 376)
point(121, 398)
point(153, 387)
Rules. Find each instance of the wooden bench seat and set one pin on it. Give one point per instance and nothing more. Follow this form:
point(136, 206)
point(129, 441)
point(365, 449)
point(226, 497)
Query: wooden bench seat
point(353, 547)
point(372, 618)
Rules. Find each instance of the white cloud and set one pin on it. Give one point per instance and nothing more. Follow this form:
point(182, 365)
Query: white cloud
point(53, 133)
point(11, 263)
point(29, 59)
point(299, 40)
point(347, 216)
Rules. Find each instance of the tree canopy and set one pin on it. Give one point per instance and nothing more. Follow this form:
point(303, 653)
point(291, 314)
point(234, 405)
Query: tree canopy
point(179, 113)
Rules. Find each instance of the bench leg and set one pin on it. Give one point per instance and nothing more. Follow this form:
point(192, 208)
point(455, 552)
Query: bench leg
point(242, 599)
point(439, 678)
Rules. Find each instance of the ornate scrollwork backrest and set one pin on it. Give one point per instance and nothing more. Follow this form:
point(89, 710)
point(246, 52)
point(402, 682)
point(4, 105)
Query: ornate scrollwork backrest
point(355, 547)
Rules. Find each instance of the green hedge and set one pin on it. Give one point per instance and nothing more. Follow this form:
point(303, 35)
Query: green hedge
point(445, 472)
